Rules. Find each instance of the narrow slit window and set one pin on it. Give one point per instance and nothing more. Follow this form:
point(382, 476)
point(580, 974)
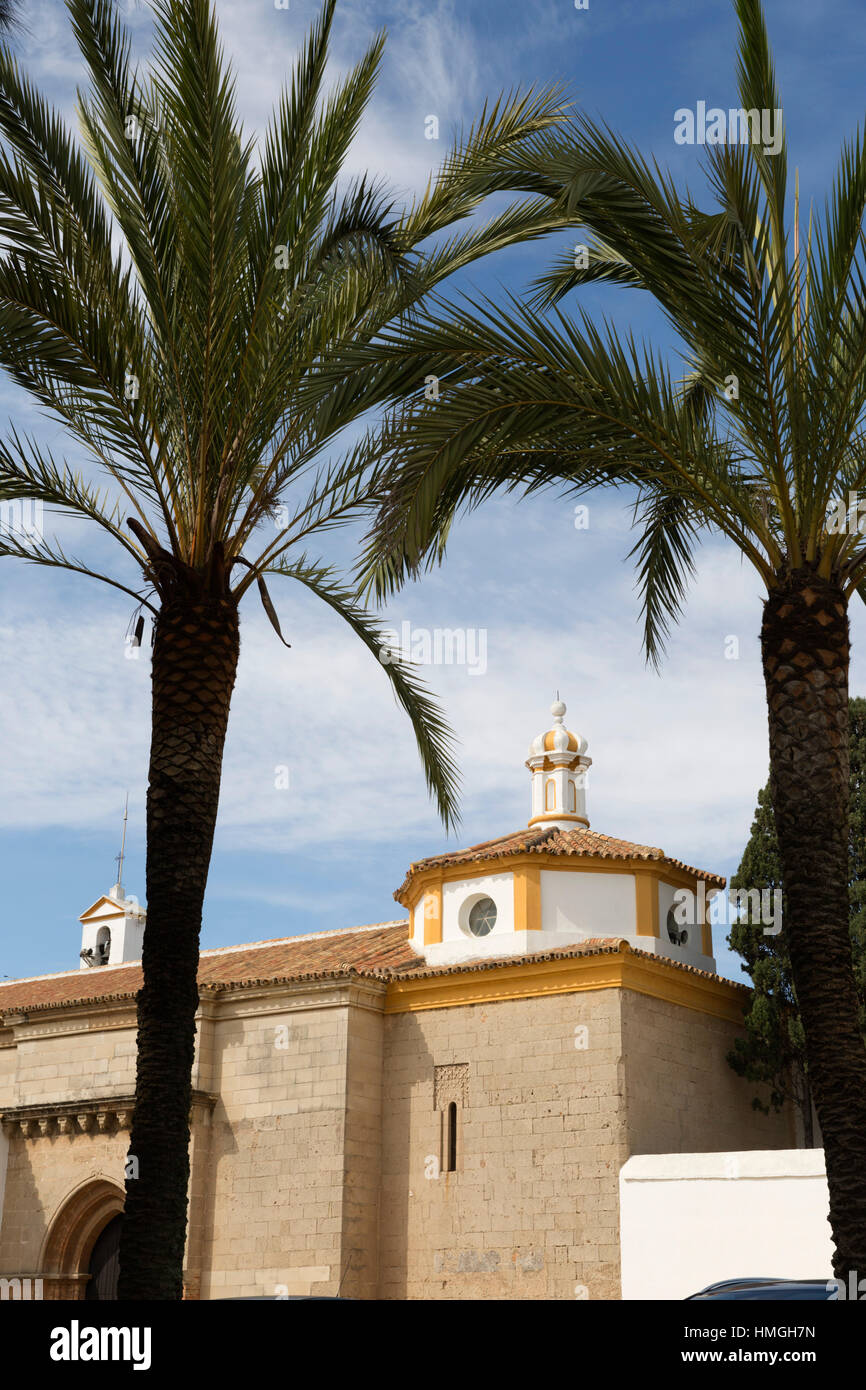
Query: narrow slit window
point(451, 1138)
point(451, 1091)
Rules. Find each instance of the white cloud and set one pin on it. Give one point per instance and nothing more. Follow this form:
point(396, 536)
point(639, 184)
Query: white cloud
point(677, 758)
point(430, 66)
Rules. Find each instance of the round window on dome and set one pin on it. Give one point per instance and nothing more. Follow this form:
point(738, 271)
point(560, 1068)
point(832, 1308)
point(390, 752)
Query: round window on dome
point(482, 917)
point(677, 935)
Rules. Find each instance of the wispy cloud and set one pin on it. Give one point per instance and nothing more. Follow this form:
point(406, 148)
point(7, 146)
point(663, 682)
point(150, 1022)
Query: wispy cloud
point(677, 758)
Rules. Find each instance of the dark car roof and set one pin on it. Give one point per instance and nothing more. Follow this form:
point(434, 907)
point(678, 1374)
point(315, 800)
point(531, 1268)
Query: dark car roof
point(749, 1289)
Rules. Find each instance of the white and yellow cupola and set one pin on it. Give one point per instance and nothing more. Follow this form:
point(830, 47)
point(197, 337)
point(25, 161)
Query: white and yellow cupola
point(557, 883)
point(558, 764)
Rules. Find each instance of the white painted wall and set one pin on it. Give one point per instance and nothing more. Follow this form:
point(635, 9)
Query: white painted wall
point(692, 952)
point(499, 887)
point(458, 945)
point(689, 1220)
point(126, 926)
point(666, 901)
point(598, 904)
point(574, 905)
point(127, 939)
point(418, 924)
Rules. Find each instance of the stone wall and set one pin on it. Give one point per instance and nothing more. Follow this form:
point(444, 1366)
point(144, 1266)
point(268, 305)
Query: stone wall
point(74, 1055)
point(682, 1097)
point(532, 1210)
point(292, 1170)
point(63, 1068)
point(320, 1138)
point(362, 1168)
point(559, 1091)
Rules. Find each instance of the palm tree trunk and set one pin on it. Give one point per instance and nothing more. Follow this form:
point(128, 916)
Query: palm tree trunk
point(808, 1126)
point(805, 650)
point(195, 658)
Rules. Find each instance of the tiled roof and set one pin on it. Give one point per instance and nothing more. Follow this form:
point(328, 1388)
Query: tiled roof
point(591, 946)
point(579, 843)
point(378, 950)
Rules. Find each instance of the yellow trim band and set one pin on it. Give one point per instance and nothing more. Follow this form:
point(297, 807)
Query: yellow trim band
point(527, 899)
point(652, 976)
point(565, 863)
point(560, 815)
point(646, 896)
point(433, 914)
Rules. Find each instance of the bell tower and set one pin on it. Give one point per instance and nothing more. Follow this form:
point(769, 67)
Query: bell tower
point(112, 928)
point(558, 765)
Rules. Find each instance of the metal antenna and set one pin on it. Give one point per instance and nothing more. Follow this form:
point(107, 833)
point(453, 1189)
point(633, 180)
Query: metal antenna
point(118, 858)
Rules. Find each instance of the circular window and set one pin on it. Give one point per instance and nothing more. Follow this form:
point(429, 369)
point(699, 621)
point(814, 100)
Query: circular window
point(482, 917)
point(677, 935)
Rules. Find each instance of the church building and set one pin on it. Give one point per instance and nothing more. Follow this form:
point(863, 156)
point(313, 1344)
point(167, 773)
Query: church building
point(435, 1107)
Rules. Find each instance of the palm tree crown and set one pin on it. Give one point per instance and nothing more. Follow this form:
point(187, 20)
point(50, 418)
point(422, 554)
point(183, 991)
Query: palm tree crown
point(761, 439)
point(165, 294)
point(176, 360)
point(9, 16)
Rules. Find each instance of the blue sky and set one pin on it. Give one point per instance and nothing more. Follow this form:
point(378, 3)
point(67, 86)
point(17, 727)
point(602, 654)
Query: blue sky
point(678, 758)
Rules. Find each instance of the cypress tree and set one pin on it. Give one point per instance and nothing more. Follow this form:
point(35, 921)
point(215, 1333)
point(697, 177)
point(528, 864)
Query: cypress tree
point(772, 1054)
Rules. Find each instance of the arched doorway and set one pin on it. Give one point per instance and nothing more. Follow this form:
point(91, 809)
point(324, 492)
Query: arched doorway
point(74, 1251)
point(104, 1266)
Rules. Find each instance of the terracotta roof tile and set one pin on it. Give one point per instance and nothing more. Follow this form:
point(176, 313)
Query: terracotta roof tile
point(539, 839)
point(377, 950)
point(592, 946)
point(381, 952)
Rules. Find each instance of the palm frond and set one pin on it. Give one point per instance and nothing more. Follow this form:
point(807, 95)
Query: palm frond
point(432, 734)
point(664, 564)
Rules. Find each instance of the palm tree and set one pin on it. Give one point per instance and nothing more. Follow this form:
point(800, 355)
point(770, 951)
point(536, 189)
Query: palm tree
point(10, 17)
point(163, 295)
point(761, 440)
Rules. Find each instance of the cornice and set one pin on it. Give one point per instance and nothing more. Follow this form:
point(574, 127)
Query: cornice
point(332, 988)
point(418, 880)
point(620, 968)
point(96, 1114)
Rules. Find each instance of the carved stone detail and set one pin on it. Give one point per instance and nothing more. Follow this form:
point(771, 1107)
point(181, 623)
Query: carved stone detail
point(99, 1114)
point(450, 1083)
